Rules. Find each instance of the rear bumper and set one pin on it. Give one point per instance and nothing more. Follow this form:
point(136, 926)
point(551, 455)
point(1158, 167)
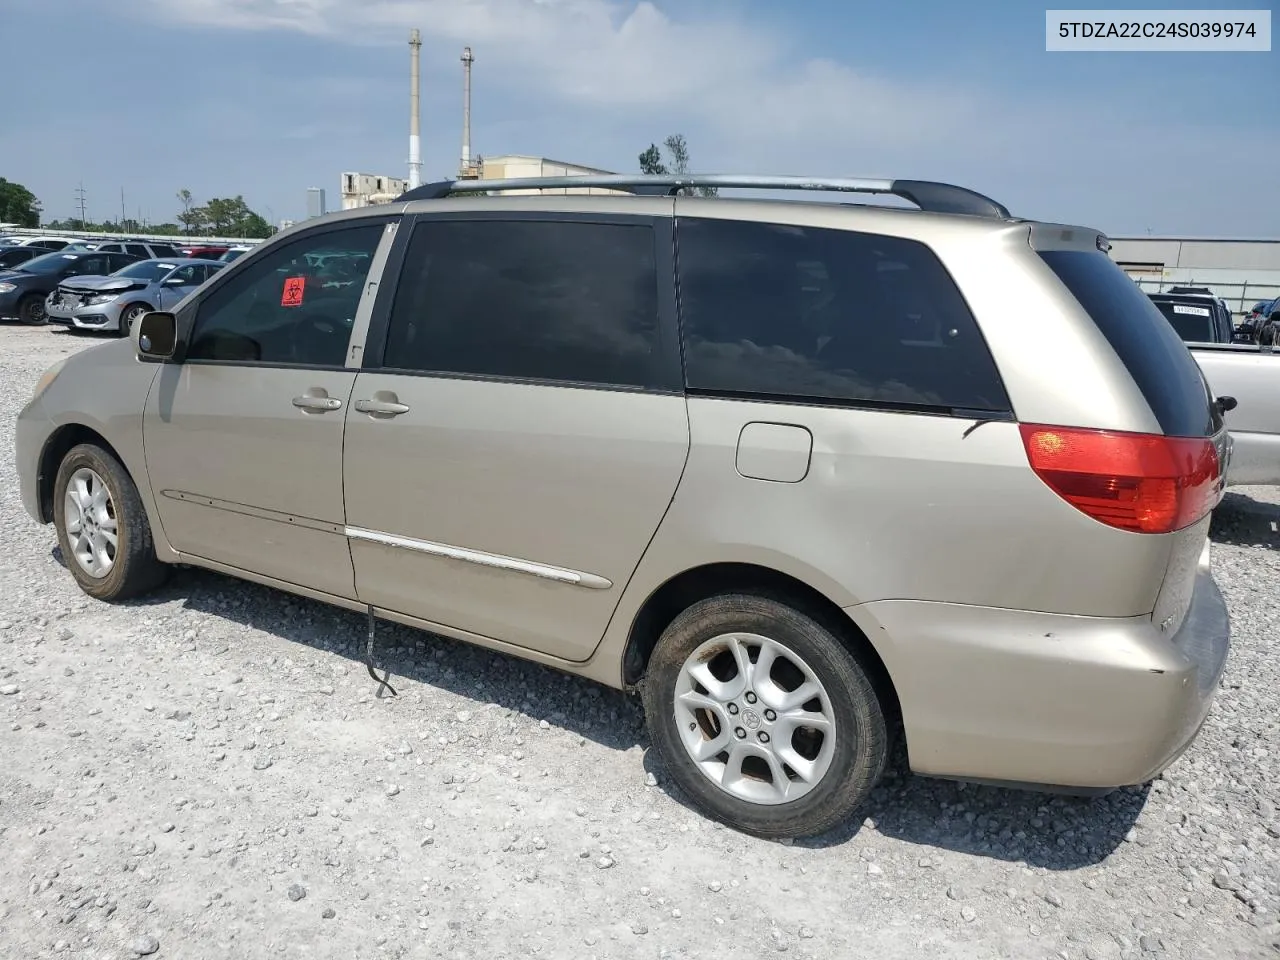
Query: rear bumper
point(1255, 458)
point(1043, 699)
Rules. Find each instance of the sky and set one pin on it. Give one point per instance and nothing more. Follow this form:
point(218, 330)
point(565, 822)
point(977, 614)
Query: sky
point(266, 98)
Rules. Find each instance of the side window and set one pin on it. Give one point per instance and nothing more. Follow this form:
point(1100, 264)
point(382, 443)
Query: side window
point(138, 250)
point(296, 305)
point(194, 273)
point(118, 261)
point(163, 250)
point(809, 313)
point(562, 300)
point(109, 248)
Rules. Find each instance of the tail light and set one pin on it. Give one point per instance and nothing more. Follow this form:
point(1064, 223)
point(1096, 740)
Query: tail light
point(1141, 482)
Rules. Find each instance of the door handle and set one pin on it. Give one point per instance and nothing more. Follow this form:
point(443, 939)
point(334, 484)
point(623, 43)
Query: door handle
point(319, 404)
point(384, 408)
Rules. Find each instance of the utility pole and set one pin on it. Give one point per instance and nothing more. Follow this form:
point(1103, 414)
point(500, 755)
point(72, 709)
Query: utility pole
point(415, 141)
point(122, 213)
point(80, 202)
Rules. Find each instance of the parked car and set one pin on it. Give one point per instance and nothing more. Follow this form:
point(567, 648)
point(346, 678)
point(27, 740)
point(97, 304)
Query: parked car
point(839, 481)
point(116, 302)
point(43, 243)
point(1250, 375)
point(1260, 319)
point(1197, 317)
point(234, 253)
point(23, 290)
point(11, 257)
point(142, 250)
point(202, 252)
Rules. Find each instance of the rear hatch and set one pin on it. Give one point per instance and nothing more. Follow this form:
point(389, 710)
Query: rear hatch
point(1193, 448)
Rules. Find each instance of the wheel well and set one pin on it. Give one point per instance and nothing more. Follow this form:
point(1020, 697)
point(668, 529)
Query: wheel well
point(686, 589)
point(55, 448)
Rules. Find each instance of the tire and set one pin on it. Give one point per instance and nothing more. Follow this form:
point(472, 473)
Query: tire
point(31, 310)
point(131, 315)
point(842, 771)
point(133, 568)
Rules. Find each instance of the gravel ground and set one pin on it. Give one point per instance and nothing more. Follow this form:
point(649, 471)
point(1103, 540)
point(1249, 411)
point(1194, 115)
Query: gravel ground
point(209, 773)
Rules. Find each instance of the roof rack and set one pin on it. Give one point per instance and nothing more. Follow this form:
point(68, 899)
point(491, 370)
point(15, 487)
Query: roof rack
point(926, 194)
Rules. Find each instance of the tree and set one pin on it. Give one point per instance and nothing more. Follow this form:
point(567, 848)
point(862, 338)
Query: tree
point(188, 220)
point(229, 217)
point(18, 205)
point(651, 162)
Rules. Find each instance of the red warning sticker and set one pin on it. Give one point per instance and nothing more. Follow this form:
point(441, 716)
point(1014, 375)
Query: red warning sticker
point(293, 288)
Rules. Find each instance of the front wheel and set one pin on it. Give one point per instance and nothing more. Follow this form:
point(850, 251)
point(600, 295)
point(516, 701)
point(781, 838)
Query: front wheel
point(131, 315)
point(763, 717)
point(31, 310)
point(102, 526)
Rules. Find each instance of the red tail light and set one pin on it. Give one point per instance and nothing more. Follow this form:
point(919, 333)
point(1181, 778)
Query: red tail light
point(1133, 481)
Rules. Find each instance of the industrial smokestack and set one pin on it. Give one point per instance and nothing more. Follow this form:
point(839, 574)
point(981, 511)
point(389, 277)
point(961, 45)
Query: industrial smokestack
point(415, 141)
point(467, 60)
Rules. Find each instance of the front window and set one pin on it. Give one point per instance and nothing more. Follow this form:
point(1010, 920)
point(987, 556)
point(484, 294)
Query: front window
point(295, 305)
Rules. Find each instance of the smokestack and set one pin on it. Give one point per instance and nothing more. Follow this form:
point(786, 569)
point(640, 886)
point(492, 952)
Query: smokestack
point(415, 141)
point(467, 60)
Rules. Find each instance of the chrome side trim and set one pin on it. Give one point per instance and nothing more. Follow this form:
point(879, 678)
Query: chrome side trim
point(262, 513)
point(544, 571)
point(364, 309)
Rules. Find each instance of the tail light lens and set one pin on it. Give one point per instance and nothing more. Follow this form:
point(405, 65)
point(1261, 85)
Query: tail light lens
point(1141, 482)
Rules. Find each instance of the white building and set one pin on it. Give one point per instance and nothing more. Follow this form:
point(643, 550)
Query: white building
point(363, 189)
point(1240, 271)
point(316, 202)
point(512, 166)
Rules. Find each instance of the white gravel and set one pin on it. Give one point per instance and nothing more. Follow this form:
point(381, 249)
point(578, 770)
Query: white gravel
point(208, 773)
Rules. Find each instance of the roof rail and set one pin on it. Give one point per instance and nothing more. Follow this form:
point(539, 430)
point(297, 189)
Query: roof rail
point(926, 194)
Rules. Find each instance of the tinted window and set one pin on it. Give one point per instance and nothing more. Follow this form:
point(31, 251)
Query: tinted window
point(109, 247)
point(137, 249)
point(189, 275)
point(91, 264)
point(1145, 342)
point(1193, 322)
point(813, 314)
point(558, 300)
point(163, 250)
point(295, 305)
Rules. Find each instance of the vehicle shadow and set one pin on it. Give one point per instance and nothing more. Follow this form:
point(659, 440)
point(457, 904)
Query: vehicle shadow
point(1243, 521)
point(1042, 830)
point(1053, 831)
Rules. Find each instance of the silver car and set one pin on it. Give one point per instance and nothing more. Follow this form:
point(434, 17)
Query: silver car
point(116, 302)
point(794, 472)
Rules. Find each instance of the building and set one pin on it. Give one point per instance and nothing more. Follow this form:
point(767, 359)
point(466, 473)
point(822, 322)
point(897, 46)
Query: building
point(514, 166)
point(316, 202)
point(286, 224)
point(363, 189)
point(1240, 271)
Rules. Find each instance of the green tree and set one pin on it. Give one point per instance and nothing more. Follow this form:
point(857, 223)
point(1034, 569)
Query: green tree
point(651, 161)
point(18, 205)
point(677, 152)
point(189, 220)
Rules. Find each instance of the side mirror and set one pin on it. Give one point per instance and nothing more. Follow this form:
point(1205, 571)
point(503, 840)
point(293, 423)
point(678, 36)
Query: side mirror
point(175, 282)
point(1226, 404)
point(157, 336)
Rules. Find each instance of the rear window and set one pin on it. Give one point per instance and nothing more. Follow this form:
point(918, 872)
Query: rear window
point(828, 316)
point(1142, 338)
point(1193, 322)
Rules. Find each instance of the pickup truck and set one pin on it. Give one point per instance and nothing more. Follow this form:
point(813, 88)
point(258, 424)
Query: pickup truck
point(1251, 374)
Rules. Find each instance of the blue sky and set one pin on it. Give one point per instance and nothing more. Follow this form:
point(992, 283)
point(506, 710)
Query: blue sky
point(268, 97)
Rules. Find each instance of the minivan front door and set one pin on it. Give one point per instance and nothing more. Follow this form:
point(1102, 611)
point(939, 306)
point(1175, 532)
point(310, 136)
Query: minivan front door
point(517, 435)
point(244, 438)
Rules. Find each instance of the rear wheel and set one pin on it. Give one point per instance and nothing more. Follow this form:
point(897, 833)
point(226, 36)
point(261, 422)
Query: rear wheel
point(764, 717)
point(31, 310)
point(102, 526)
point(131, 315)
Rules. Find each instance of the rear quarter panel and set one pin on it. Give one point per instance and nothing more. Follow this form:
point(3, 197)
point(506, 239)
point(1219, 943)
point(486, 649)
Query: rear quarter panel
point(1253, 378)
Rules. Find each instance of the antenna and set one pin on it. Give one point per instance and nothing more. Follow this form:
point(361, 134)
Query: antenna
point(415, 141)
point(467, 61)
